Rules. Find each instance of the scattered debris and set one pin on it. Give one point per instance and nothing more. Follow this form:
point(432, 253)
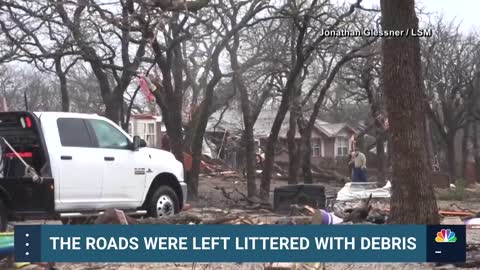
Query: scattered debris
point(301, 210)
point(238, 198)
point(473, 223)
point(303, 194)
point(325, 218)
point(114, 216)
point(452, 221)
point(355, 191)
point(280, 266)
point(360, 213)
point(209, 216)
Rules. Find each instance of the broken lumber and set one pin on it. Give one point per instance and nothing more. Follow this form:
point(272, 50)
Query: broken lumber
point(360, 213)
point(301, 210)
point(114, 216)
point(182, 218)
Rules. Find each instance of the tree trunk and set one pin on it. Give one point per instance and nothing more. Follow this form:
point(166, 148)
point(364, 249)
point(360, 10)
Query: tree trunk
point(248, 119)
point(293, 158)
point(307, 155)
point(277, 124)
point(128, 113)
point(429, 140)
point(382, 168)
point(250, 159)
point(412, 200)
point(63, 85)
point(465, 151)
point(174, 129)
point(476, 147)
point(200, 124)
point(270, 148)
point(204, 112)
point(450, 144)
point(112, 110)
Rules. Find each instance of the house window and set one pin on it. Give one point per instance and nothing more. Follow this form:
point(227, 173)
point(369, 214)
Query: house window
point(342, 146)
point(150, 134)
point(146, 131)
point(316, 151)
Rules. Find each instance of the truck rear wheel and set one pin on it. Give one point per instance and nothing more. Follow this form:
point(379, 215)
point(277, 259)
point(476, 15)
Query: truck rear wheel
point(164, 202)
point(3, 217)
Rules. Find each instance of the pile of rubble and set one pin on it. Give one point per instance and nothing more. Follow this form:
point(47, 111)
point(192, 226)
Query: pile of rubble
point(209, 216)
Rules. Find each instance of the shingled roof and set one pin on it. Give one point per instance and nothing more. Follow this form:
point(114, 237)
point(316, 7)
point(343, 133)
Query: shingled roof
point(232, 121)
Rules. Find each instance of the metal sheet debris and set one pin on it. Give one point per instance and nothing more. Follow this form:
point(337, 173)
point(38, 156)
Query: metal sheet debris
point(357, 191)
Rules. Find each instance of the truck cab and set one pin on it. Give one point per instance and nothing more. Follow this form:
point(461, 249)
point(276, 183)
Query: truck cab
point(85, 164)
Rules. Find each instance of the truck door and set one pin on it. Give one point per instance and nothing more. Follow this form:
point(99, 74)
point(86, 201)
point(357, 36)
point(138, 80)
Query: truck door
point(81, 167)
point(123, 179)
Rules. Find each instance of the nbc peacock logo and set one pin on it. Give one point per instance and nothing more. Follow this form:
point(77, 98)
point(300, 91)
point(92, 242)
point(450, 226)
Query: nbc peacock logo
point(445, 236)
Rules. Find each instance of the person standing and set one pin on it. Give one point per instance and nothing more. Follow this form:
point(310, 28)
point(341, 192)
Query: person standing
point(359, 167)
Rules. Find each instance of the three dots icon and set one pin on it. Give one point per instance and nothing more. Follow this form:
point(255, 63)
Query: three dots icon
point(27, 244)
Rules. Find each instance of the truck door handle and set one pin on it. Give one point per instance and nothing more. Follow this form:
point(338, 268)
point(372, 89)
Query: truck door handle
point(109, 158)
point(66, 157)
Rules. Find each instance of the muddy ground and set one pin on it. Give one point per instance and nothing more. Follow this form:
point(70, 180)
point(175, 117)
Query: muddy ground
point(210, 195)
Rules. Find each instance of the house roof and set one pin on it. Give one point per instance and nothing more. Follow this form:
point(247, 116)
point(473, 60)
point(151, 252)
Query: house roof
point(332, 130)
point(232, 121)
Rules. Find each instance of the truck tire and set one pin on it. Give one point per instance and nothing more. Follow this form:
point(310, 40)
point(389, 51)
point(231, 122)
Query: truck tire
point(3, 217)
point(164, 202)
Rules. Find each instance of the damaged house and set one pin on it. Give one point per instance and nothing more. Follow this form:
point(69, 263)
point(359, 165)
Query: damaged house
point(330, 141)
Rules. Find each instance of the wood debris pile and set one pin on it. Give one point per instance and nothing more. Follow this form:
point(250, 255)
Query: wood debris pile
point(207, 216)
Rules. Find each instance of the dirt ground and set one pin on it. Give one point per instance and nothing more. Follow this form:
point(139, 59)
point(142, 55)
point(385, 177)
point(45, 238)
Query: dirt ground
point(210, 195)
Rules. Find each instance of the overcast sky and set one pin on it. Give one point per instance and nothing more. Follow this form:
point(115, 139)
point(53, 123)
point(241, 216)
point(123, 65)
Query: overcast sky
point(465, 11)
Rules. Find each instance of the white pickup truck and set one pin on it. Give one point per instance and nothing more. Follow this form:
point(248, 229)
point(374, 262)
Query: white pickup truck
point(79, 165)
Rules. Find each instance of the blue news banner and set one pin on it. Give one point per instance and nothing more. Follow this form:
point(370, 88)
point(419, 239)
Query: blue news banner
point(239, 243)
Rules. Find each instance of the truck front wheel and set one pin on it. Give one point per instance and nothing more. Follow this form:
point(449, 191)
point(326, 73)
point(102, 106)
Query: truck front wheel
point(164, 202)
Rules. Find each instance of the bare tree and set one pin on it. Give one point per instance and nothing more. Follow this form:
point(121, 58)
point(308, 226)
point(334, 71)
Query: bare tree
point(448, 72)
point(307, 40)
point(371, 91)
point(413, 200)
point(244, 12)
point(35, 31)
point(257, 67)
point(106, 27)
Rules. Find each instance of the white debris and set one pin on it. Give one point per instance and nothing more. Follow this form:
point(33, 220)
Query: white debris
point(473, 221)
point(358, 191)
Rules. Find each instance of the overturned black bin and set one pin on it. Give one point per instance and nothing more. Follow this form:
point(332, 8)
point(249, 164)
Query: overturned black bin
point(302, 194)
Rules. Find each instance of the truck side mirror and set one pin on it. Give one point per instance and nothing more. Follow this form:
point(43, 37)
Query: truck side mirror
point(138, 143)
